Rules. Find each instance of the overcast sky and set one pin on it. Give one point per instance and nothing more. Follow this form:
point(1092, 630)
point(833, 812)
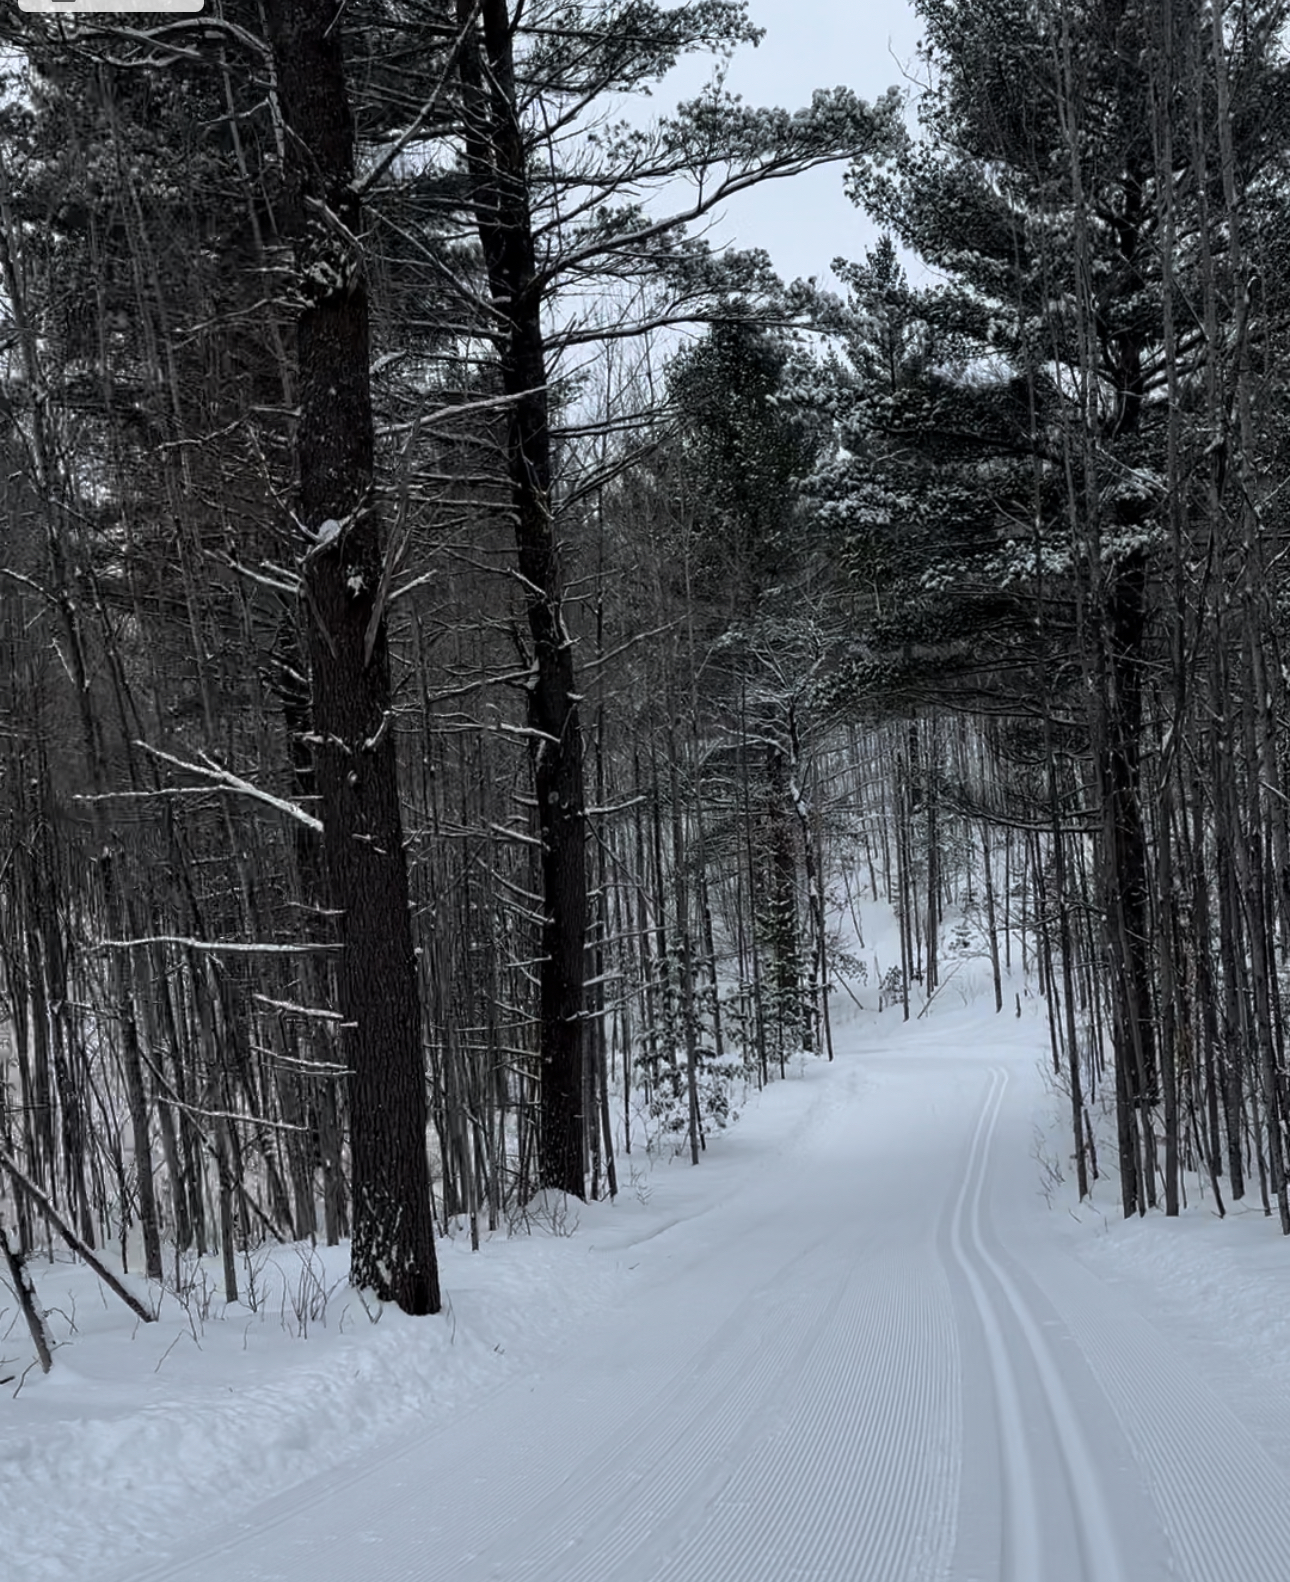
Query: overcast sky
point(867, 45)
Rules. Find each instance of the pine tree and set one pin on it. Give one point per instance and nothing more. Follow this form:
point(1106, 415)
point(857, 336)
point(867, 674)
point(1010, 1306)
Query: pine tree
point(353, 708)
point(754, 577)
point(548, 226)
point(1066, 187)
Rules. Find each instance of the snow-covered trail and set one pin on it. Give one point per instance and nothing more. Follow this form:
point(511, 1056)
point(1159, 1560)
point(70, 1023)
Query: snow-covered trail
point(869, 1361)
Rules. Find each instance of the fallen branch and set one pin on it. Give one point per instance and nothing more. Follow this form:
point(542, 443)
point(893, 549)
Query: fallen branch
point(25, 1184)
point(940, 985)
point(27, 1301)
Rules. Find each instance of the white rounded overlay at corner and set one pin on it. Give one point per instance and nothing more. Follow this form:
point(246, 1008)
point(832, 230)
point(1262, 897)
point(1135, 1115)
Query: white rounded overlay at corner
point(157, 7)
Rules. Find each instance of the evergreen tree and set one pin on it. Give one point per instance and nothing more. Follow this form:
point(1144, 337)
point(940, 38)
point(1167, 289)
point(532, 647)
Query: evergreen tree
point(345, 586)
point(549, 226)
point(1067, 186)
point(755, 575)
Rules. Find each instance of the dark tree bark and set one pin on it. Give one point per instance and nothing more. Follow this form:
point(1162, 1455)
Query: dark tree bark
point(780, 883)
point(20, 1280)
point(1126, 855)
point(497, 159)
point(132, 1067)
point(353, 738)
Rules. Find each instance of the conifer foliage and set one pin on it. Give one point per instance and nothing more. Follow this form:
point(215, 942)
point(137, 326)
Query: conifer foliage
point(1096, 182)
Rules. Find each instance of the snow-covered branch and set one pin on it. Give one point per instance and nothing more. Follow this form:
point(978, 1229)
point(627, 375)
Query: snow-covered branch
point(226, 780)
point(216, 946)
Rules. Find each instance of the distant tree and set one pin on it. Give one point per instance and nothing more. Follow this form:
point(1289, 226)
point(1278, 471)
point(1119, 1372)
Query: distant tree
point(755, 569)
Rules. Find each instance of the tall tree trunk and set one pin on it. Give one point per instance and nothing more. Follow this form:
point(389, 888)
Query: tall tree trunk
point(1126, 853)
point(132, 1066)
point(497, 160)
point(357, 773)
point(990, 915)
point(792, 1027)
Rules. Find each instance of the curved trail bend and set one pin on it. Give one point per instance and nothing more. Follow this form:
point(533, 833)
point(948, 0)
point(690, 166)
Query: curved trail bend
point(858, 1355)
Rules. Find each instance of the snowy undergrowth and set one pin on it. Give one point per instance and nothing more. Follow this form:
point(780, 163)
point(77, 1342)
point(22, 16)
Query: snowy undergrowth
point(142, 1432)
point(216, 1405)
point(1215, 1283)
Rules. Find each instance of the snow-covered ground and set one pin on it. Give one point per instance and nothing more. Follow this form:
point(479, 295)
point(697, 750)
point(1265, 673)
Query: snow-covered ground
point(867, 1340)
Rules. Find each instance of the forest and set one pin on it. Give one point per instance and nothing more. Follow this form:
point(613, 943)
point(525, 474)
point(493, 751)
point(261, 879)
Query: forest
point(469, 643)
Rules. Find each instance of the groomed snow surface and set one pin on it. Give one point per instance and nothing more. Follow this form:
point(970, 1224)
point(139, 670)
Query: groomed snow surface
point(869, 1339)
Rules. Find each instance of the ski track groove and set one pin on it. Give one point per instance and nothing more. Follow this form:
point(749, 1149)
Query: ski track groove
point(1226, 1513)
point(717, 1388)
point(1024, 1547)
point(1017, 1496)
point(815, 1431)
point(856, 1504)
